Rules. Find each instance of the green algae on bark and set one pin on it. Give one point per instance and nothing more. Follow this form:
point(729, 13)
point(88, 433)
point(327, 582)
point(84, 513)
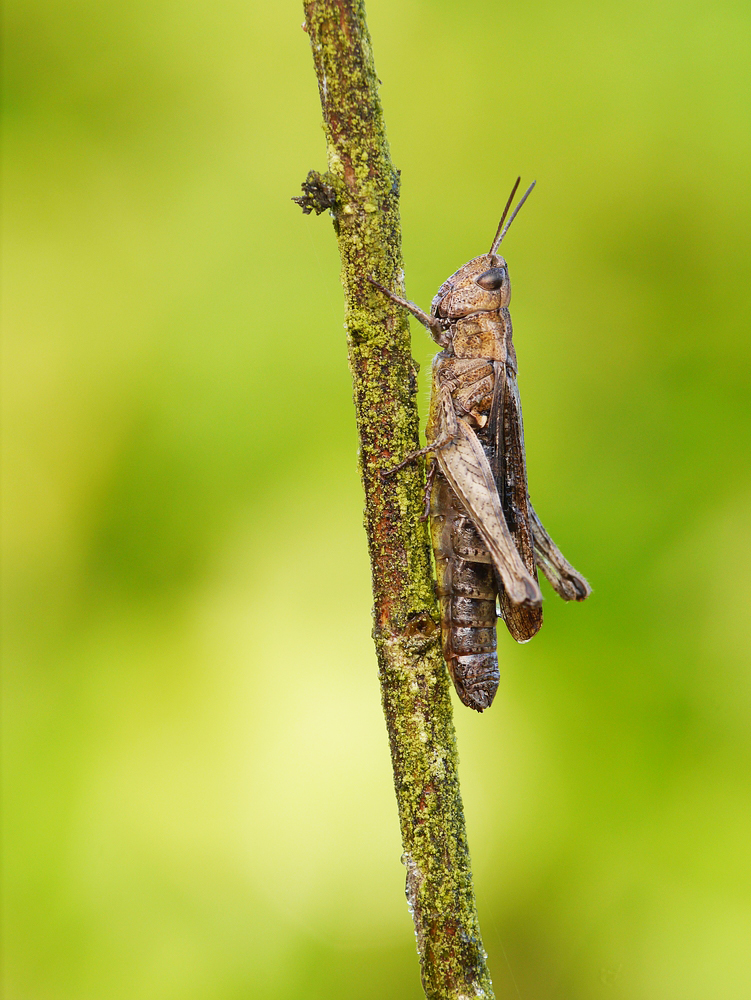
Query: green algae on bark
point(361, 191)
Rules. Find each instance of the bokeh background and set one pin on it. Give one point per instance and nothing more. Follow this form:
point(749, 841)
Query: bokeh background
point(198, 794)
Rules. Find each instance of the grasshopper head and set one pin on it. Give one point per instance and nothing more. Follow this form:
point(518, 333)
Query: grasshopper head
point(482, 285)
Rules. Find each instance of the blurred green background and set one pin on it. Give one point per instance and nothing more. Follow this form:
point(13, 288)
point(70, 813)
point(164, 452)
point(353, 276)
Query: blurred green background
point(198, 793)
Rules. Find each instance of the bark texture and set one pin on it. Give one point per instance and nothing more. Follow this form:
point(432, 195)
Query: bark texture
point(361, 190)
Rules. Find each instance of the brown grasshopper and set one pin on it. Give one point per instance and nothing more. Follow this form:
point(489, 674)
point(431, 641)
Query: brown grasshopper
point(487, 539)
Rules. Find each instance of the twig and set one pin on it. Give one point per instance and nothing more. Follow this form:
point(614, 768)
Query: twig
point(361, 189)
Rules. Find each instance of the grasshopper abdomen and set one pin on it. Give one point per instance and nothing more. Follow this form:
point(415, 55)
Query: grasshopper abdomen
point(467, 590)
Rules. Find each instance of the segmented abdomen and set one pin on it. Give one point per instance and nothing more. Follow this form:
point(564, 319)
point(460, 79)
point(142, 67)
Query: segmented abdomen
point(467, 593)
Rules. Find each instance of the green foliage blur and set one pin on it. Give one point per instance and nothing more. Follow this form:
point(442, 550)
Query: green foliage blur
point(198, 798)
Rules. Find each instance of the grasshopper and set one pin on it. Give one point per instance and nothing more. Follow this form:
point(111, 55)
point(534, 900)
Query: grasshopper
point(487, 539)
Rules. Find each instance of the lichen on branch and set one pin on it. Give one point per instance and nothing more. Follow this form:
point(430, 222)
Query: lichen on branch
point(361, 191)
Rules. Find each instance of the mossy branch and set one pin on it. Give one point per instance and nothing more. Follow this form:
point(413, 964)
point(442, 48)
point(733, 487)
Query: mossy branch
point(361, 190)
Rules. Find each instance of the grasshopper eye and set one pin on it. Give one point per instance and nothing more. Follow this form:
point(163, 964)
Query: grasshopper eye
point(492, 280)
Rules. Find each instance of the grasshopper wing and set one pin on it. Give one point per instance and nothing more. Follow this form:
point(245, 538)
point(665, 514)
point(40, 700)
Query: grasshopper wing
point(463, 462)
point(507, 461)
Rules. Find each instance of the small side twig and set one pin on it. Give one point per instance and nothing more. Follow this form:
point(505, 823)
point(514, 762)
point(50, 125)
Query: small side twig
point(317, 195)
point(361, 189)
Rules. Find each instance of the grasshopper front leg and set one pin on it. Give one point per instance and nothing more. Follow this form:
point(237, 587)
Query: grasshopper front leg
point(435, 327)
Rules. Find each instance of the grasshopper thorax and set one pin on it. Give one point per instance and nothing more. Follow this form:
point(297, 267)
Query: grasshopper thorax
point(481, 285)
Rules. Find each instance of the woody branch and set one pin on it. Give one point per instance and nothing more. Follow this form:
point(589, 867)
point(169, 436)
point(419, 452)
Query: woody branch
point(361, 191)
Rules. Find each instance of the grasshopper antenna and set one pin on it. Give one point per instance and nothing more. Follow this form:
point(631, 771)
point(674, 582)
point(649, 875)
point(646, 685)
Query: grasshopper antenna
point(499, 236)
